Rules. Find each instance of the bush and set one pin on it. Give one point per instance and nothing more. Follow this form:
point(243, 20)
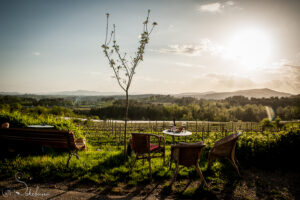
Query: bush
point(18, 120)
point(269, 150)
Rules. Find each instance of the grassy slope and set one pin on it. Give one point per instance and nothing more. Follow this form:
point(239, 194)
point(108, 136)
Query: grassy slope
point(103, 165)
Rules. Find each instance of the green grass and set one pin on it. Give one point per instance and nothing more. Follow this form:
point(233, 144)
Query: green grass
point(18, 120)
point(102, 166)
point(103, 163)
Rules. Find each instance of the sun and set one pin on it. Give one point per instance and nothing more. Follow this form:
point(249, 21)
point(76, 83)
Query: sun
point(251, 47)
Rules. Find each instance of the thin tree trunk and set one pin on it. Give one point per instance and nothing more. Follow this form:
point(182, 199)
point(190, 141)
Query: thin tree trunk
point(126, 119)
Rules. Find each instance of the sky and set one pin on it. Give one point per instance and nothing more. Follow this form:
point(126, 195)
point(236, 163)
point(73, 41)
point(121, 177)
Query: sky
point(197, 46)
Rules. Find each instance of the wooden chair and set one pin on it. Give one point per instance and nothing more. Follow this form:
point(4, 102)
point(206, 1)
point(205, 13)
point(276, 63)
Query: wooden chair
point(187, 154)
point(140, 144)
point(225, 148)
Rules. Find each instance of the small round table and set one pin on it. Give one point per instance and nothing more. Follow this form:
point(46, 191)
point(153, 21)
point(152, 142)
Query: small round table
point(180, 134)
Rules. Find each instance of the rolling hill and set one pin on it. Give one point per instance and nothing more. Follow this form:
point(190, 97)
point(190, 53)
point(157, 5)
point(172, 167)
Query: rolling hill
point(256, 93)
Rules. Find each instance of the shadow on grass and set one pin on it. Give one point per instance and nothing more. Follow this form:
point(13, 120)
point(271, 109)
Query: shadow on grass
point(111, 162)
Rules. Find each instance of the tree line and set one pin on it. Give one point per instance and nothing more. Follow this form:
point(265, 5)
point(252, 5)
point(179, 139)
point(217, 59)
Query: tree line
point(158, 107)
point(230, 109)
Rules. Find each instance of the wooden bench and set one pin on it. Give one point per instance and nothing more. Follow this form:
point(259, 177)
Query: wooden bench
point(27, 137)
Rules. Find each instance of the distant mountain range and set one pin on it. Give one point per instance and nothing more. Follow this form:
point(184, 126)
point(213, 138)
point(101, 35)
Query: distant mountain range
point(11, 93)
point(82, 93)
point(256, 93)
point(66, 93)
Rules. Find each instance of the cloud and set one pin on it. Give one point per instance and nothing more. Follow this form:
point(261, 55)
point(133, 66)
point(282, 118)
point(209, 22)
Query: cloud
point(182, 49)
point(290, 77)
point(215, 7)
point(284, 75)
point(285, 78)
point(36, 53)
point(205, 46)
point(229, 3)
point(230, 81)
point(220, 82)
point(188, 65)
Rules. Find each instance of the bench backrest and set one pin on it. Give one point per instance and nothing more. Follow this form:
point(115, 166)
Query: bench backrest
point(46, 137)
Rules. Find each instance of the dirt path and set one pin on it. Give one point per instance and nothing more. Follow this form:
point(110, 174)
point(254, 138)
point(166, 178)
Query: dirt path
point(12, 190)
point(254, 184)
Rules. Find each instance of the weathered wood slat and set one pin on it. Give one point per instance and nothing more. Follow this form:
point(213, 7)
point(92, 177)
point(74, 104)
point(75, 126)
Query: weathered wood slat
point(46, 137)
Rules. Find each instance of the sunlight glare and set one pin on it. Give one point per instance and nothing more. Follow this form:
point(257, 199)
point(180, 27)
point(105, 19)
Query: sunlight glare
point(251, 47)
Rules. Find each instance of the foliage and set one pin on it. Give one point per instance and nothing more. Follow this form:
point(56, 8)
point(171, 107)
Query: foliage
point(19, 120)
point(151, 107)
point(269, 150)
point(35, 100)
point(38, 110)
point(205, 111)
point(123, 69)
point(266, 123)
point(161, 107)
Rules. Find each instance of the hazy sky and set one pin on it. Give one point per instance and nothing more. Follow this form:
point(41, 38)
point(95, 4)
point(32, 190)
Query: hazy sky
point(198, 45)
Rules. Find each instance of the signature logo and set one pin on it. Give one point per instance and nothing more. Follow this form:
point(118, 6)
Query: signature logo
point(28, 192)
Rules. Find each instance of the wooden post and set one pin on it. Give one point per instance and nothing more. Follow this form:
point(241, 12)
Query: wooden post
point(203, 133)
point(120, 133)
point(112, 127)
point(208, 128)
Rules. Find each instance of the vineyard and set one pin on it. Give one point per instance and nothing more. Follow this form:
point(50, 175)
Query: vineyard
point(112, 132)
point(102, 165)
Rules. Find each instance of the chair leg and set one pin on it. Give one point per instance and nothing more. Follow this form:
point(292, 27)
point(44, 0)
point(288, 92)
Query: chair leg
point(150, 170)
point(232, 160)
point(170, 163)
point(129, 149)
point(133, 163)
point(171, 159)
point(200, 174)
point(236, 161)
point(175, 173)
point(70, 156)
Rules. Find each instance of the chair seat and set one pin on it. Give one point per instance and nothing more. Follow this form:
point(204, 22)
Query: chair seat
point(153, 147)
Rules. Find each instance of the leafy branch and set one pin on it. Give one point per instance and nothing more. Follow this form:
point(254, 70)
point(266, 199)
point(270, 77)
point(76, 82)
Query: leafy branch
point(117, 61)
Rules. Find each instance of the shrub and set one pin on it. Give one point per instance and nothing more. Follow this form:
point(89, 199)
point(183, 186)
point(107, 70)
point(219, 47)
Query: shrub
point(18, 120)
point(269, 150)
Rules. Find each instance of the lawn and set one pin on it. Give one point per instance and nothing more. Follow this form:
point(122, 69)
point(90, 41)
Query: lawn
point(267, 164)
